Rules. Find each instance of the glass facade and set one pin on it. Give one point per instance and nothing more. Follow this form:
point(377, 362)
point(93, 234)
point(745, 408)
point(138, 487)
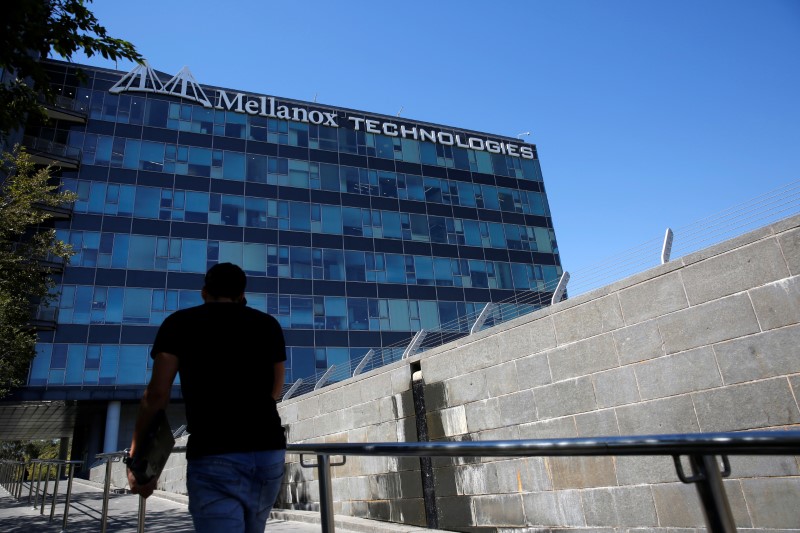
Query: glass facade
point(354, 240)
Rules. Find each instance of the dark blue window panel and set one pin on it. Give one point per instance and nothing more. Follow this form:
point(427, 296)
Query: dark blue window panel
point(110, 277)
point(460, 175)
point(446, 250)
point(369, 339)
point(358, 243)
point(138, 334)
point(355, 200)
point(485, 179)
point(440, 210)
point(388, 246)
point(352, 160)
point(77, 333)
point(409, 206)
point(93, 173)
point(321, 240)
point(261, 148)
point(159, 134)
point(116, 224)
point(323, 156)
point(499, 295)
point(390, 290)
point(529, 185)
point(180, 280)
point(87, 222)
point(495, 254)
point(266, 236)
point(469, 213)
point(294, 286)
point(362, 290)
point(131, 131)
point(260, 190)
point(79, 276)
point(377, 163)
point(503, 181)
point(519, 256)
point(408, 168)
point(450, 293)
point(513, 218)
point(396, 337)
point(330, 338)
point(385, 204)
point(436, 172)
point(141, 278)
point(329, 288)
point(298, 337)
point(150, 227)
point(192, 183)
point(101, 84)
point(477, 295)
point(229, 143)
point(294, 238)
point(293, 193)
point(122, 175)
point(156, 179)
point(535, 220)
point(541, 258)
point(45, 336)
point(490, 215)
point(421, 292)
point(100, 127)
point(416, 248)
point(227, 187)
point(325, 197)
point(292, 152)
point(188, 229)
point(225, 233)
point(103, 334)
point(194, 139)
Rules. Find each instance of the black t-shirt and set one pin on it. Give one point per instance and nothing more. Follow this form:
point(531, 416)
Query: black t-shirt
point(226, 353)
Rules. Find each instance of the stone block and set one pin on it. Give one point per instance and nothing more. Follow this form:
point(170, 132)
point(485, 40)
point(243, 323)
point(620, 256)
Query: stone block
point(762, 404)
point(447, 422)
point(467, 388)
point(533, 371)
point(444, 480)
point(765, 355)
point(455, 512)
point(401, 379)
point(678, 505)
point(678, 373)
point(565, 398)
point(717, 321)
point(668, 415)
point(616, 387)
point(528, 338)
point(773, 503)
point(517, 408)
point(555, 428)
point(582, 472)
point(653, 298)
point(439, 367)
point(288, 412)
point(790, 246)
point(502, 379)
point(352, 394)
point(795, 383)
point(500, 510)
point(410, 512)
point(582, 358)
point(376, 386)
point(588, 319)
point(473, 479)
point(777, 304)
point(483, 415)
point(504, 433)
point(435, 396)
point(597, 424)
point(638, 343)
point(636, 470)
point(620, 507)
point(751, 466)
point(479, 354)
point(521, 475)
point(379, 510)
point(308, 408)
point(557, 509)
point(332, 400)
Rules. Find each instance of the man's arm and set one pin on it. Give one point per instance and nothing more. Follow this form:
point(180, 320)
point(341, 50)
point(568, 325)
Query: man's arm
point(156, 397)
point(278, 380)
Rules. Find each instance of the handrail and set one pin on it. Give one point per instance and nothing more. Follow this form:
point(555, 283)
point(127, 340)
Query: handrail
point(109, 458)
point(12, 475)
point(701, 449)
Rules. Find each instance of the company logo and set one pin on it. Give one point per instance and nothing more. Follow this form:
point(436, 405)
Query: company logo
point(144, 79)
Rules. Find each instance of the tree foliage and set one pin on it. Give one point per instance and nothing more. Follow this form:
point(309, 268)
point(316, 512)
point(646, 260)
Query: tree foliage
point(28, 198)
point(32, 29)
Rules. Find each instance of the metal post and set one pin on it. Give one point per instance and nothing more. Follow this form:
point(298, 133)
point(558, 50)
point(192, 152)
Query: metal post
point(44, 494)
point(69, 495)
point(55, 493)
point(18, 492)
point(716, 508)
point(30, 481)
point(142, 508)
point(106, 485)
point(325, 493)
point(38, 484)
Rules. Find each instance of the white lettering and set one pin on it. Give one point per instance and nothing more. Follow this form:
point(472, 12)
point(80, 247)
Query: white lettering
point(445, 138)
point(264, 113)
point(459, 143)
point(427, 135)
point(387, 126)
point(372, 126)
point(229, 103)
point(512, 150)
point(300, 114)
point(493, 147)
point(330, 119)
point(503, 148)
point(526, 152)
point(357, 122)
point(251, 107)
point(476, 144)
point(404, 132)
point(283, 112)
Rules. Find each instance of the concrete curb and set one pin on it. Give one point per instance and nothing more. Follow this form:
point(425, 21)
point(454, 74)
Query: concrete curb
point(349, 523)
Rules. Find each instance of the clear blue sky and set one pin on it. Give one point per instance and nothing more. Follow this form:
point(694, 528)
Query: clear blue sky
point(646, 114)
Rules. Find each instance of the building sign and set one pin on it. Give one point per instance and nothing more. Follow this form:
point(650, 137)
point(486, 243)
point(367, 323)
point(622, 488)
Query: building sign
point(143, 79)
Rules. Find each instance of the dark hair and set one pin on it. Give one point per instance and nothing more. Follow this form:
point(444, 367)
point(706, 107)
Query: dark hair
point(225, 280)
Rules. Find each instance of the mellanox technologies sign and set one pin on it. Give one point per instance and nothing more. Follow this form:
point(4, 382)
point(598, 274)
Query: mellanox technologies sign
point(143, 79)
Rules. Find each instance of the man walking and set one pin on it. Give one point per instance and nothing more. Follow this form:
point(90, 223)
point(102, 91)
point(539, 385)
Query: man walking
point(231, 360)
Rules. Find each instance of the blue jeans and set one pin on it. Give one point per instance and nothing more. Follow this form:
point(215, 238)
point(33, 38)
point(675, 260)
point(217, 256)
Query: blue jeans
point(235, 491)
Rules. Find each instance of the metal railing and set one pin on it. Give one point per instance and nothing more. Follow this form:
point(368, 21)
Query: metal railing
point(701, 450)
point(43, 146)
point(109, 459)
point(12, 476)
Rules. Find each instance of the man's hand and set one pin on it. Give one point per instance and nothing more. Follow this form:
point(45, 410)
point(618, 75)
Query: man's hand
point(142, 490)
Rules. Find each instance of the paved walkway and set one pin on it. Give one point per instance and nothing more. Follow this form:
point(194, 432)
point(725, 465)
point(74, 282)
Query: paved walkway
point(166, 512)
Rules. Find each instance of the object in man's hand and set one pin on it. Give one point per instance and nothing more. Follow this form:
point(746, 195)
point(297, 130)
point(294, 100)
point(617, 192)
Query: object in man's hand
point(152, 450)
